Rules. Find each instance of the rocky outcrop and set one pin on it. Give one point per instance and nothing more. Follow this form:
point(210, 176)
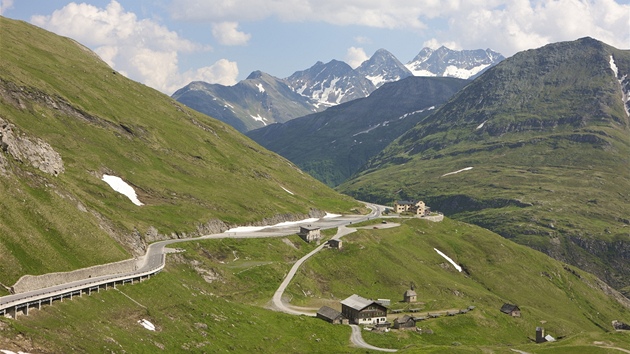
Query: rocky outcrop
point(33, 151)
point(620, 326)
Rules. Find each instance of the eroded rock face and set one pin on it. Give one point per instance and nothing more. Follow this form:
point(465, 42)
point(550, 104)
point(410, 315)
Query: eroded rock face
point(33, 151)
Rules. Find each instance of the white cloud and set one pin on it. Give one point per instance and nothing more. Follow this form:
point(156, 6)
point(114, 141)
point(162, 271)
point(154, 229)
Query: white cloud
point(435, 44)
point(228, 34)
point(5, 5)
point(355, 56)
point(362, 40)
point(141, 49)
point(504, 25)
point(372, 13)
point(525, 24)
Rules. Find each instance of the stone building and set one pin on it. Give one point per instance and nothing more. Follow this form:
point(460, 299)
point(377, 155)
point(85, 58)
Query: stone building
point(417, 207)
point(359, 310)
point(310, 233)
point(511, 310)
point(331, 315)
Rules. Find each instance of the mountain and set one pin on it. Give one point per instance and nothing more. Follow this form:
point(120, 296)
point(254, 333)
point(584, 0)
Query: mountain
point(536, 149)
point(332, 145)
point(383, 67)
point(330, 84)
point(262, 99)
point(259, 100)
point(67, 120)
point(464, 64)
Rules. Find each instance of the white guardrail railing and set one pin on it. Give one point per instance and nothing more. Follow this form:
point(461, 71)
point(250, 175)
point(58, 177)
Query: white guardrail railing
point(30, 299)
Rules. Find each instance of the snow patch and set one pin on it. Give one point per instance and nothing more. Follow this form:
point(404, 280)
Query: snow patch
point(286, 190)
point(415, 112)
point(122, 187)
point(481, 125)
point(4, 351)
point(368, 130)
point(377, 80)
point(258, 118)
point(457, 266)
point(260, 88)
point(458, 171)
point(259, 228)
point(146, 324)
point(419, 72)
point(330, 216)
point(613, 66)
point(453, 71)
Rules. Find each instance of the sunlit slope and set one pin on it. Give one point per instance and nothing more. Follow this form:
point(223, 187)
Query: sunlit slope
point(548, 139)
point(193, 173)
point(381, 264)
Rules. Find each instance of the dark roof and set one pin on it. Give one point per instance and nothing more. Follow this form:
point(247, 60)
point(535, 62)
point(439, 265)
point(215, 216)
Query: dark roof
point(405, 202)
point(403, 319)
point(329, 312)
point(309, 228)
point(508, 308)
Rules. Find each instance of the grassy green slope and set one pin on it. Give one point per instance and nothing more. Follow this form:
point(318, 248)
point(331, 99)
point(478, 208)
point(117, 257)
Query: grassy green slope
point(548, 139)
point(187, 168)
point(223, 313)
point(382, 263)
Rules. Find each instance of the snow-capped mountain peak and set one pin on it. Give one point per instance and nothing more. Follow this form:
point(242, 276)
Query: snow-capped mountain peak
point(383, 67)
point(462, 64)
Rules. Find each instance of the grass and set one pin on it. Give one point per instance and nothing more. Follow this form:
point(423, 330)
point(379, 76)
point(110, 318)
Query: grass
point(549, 164)
point(189, 169)
point(227, 312)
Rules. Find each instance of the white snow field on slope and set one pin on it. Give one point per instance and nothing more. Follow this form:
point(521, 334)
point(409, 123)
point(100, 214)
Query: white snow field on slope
point(458, 171)
point(258, 228)
point(286, 190)
point(146, 324)
point(457, 266)
point(122, 187)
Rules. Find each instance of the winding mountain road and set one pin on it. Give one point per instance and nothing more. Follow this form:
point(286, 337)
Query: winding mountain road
point(277, 296)
point(154, 260)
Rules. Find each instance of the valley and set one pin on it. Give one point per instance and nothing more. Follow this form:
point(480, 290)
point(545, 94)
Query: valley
point(527, 163)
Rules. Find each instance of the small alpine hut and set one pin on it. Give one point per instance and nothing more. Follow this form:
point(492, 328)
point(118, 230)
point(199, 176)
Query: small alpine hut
point(405, 321)
point(334, 243)
point(359, 310)
point(511, 310)
point(310, 233)
point(410, 295)
point(331, 315)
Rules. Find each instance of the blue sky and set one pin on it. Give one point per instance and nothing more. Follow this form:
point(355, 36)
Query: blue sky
point(168, 43)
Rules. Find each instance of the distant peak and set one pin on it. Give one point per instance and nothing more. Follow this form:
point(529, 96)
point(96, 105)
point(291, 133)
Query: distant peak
point(255, 75)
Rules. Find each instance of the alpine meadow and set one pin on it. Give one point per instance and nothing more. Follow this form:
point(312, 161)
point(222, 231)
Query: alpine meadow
point(523, 244)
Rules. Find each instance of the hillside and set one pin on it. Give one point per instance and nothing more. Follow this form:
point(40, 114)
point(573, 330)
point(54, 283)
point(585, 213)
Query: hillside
point(334, 144)
point(542, 145)
point(212, 298)
point(67, 119)
point(255, 102)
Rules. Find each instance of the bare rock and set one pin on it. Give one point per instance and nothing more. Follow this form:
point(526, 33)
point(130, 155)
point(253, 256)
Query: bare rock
point(620, 326)
point(33, 151)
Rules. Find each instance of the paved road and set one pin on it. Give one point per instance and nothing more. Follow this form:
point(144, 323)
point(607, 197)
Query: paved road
point(154, 258)
point(277, 296)
point(357, 340)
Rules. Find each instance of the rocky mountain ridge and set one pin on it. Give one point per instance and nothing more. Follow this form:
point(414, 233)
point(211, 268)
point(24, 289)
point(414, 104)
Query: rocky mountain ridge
point(544, 140)
point(262, 99)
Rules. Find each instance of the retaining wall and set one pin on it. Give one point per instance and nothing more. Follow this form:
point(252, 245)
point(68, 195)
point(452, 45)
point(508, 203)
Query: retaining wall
point(34, 282)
